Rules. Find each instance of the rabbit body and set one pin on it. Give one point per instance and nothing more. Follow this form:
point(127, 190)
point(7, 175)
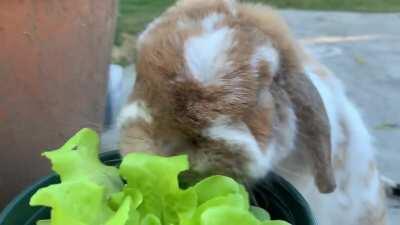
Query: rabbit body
point(225, 83)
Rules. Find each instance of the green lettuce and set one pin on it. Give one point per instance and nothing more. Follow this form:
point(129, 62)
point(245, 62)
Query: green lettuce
point(77, 160)
point(91, 193)
point(86, 185)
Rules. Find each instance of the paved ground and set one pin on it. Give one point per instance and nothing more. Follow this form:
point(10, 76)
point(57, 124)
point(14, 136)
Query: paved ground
point(364, 51)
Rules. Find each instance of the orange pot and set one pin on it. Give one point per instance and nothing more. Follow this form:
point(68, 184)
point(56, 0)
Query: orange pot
point(54, 56)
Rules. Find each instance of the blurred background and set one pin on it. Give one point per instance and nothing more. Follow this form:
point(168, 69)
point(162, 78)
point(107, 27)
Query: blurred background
point(69, 64)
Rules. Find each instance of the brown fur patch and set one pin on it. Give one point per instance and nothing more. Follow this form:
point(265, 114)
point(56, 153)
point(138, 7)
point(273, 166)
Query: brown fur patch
point(136, 136)
point(222, 158)
point(259, 121)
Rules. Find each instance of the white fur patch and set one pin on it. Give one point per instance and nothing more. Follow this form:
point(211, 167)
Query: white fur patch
point(291, 131)
point(210, 22)
point(268, 54)
point(239, 135)
point(205, 55)
point(134, 111)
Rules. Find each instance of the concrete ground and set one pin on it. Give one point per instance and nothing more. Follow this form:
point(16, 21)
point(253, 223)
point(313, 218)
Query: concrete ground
point(364, 51)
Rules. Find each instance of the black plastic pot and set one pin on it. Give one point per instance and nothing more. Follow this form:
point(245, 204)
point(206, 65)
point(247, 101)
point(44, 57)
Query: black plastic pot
point(274, 194)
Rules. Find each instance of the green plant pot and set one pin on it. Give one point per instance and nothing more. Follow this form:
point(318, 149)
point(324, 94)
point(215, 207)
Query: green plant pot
point(275, 194)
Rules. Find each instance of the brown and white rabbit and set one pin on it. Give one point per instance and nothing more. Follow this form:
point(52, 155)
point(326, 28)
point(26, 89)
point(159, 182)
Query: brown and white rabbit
point(225, 83)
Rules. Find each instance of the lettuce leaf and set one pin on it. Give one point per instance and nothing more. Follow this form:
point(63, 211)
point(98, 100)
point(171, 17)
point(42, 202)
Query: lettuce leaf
point(124, 213)
point(77, 202)
point(91, 193)
point(215, 186)
point(156, 178)
point(77, 160)
point(86, 184)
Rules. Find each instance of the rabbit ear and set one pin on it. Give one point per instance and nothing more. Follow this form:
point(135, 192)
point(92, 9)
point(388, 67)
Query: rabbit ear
point(313, 127)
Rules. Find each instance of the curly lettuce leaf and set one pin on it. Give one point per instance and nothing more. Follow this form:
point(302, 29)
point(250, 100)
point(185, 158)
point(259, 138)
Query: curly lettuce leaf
point(86, 184)
point(76, 202)
point(150, 219)
point(124, 214)
point(77, 160)
point(150, 172)
point(156, 178)
point(216, 186)
point(91, 193)
point(180, 206)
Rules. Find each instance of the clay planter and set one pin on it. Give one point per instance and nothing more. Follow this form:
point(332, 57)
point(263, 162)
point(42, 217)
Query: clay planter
point(54, 56)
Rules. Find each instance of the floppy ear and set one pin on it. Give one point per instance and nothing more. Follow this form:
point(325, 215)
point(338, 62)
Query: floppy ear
point(313, 127)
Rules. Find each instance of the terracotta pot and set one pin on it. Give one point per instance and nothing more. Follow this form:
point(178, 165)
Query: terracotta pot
point(54, 56)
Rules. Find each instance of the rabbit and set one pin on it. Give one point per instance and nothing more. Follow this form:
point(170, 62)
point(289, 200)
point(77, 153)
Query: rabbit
point(226, 83)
